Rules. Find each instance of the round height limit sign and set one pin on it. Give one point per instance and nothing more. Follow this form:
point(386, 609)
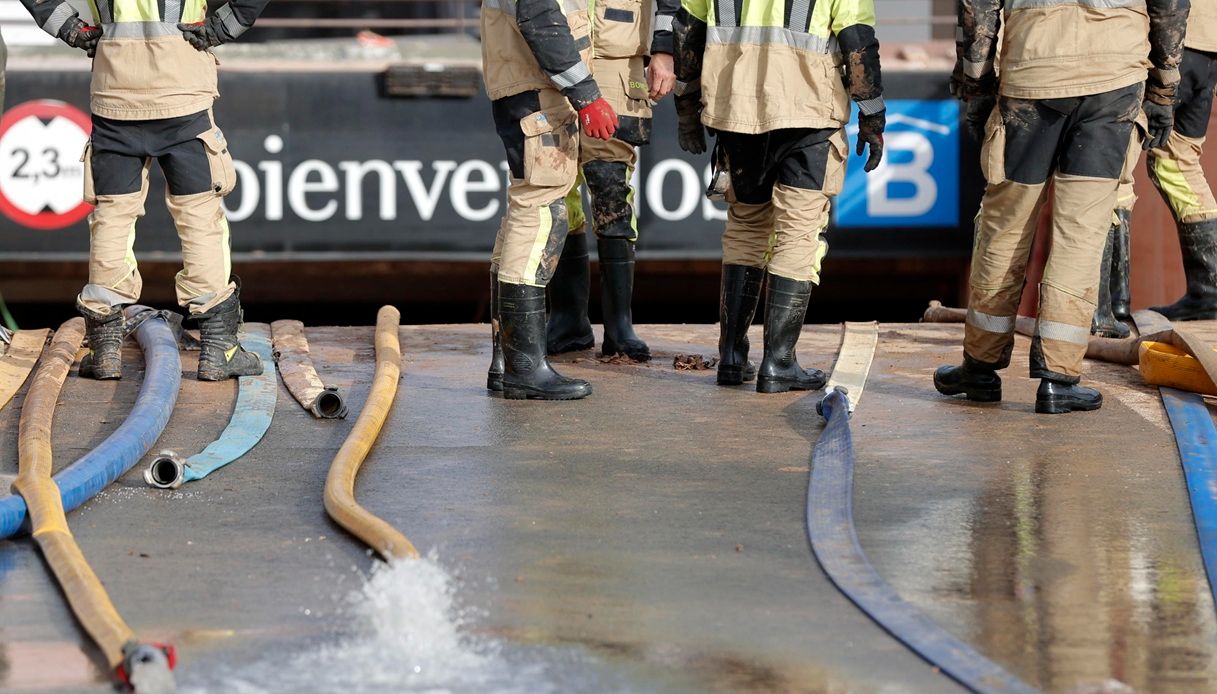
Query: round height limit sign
point(41, 175)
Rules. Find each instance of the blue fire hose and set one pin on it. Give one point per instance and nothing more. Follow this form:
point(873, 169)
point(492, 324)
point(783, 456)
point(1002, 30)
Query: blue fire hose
point(834, 540)
point(1196, 437)
point(83, 479)
point(251, 418)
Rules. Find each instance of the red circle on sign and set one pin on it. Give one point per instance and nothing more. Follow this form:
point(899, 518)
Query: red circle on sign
point(44, 109)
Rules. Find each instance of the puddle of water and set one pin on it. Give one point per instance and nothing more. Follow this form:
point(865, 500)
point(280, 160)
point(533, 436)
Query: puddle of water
point(408, 632)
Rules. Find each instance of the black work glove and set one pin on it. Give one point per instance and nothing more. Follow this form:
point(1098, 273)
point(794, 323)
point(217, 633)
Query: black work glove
point(870, 132)
point(1161, 122)
point(976, 115)
point(206, 34)
point(77, 34)
point(691, 134)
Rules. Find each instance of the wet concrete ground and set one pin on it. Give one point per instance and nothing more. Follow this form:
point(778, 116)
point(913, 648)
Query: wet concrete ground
point(656, 527)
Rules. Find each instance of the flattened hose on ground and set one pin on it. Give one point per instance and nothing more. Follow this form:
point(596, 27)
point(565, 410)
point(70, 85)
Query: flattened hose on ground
point(834, 539)
point(251, 418)
point(18, 361)
point(299, 375)
point(83, 479)
point(89, 601)
point(340, 483)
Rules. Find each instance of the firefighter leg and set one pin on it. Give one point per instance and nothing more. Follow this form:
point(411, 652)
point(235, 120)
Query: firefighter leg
point(608, 167)
point(1017, 166)
point(745, 253)
point(810, 169)
point(1179, 177)
point(568, 328)
point(117, 182)
point(199, 172)
point(540, 134)
point(1086, 187)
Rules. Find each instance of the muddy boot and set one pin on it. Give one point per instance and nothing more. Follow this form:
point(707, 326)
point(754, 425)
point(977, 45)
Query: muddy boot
point(568, 329)
point(1199, 243)
point(528, 374)
point(1121, 257)
point(976, 381)
point(784, 313)
point(1059, 397)
point(105, 333)
point(617, 295)
point(1104, 323)
point(738, 297)
point(221, 355)
point(494, 375)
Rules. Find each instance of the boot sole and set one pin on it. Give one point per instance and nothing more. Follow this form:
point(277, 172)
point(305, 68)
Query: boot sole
point(103, 377)
point(733, 376)
point(516, 393)
point(571, 345)
point(494, 383)
point(769, 386)
point(224, 376)
point(1064, 406)
point(1112, 334)
point(972, 394)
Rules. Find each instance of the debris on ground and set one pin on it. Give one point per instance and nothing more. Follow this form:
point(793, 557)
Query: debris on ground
point(619, 360)
point(693, 362)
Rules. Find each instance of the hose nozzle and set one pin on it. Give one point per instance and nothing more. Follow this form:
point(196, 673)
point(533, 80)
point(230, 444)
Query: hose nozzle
point(147, 668)
point(329, 404)
point(166, 471)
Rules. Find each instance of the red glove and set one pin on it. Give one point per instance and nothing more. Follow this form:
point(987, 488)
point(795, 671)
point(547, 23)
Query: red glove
point(598, 119)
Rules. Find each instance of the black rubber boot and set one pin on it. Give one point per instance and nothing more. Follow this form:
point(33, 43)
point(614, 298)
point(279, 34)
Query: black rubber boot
point(105, 334)
point(1058, 397)
point(1199, 243)
point(1104, 323)
point(972, 379)
point(221, 356)
point(568, 329)
point(528, 374)
point(617, 295)
point(494, 375)
point(1121, 257)
point(739, 294)
point(785, 310)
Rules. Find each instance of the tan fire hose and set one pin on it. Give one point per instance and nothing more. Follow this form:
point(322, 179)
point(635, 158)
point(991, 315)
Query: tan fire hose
point(340, 483)
point(300, 376)
point(85, 593)
point(18, 360)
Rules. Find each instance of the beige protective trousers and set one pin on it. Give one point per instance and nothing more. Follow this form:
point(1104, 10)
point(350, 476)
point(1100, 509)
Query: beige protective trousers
point(193, 154)
point(782, 184)
point(540, 133)
point(1078, 144)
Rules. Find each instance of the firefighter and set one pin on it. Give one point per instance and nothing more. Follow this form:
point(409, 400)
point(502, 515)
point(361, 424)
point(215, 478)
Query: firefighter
point(1174, 168)
point(622, 36)
point(154, 82)
point(535, 59)
point(775, 80)
point(1070, 128)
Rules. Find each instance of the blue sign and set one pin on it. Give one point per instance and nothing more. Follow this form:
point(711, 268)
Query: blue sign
point(917, 185)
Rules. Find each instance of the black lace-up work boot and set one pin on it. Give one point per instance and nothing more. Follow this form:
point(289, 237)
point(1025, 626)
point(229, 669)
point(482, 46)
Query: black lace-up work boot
point(221, 355)
point(738, 297)
point(785, 310)
point(527, 373)
point(105, 333)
